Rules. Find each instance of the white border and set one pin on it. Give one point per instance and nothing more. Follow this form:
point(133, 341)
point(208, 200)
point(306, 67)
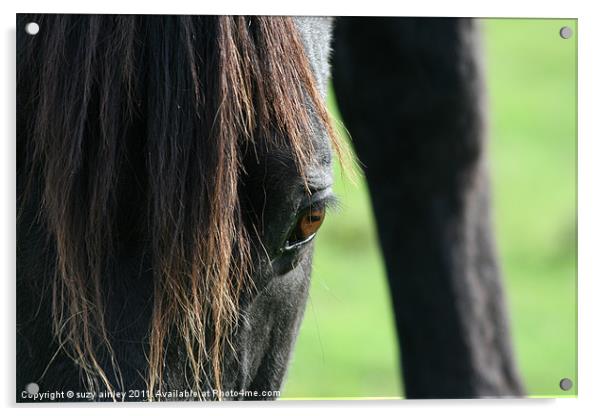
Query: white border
point(590, 202)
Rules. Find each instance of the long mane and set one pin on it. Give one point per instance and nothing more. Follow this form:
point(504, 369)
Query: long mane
point(134, 129)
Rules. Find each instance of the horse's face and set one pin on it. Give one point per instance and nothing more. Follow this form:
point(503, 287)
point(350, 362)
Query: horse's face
point(289, 218)
point(204, 266)
point(286, 209)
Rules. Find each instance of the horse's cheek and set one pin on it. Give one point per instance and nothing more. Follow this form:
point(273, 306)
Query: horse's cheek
point(266, 340)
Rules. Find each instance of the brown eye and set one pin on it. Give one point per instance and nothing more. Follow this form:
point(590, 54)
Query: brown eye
point(307, 225)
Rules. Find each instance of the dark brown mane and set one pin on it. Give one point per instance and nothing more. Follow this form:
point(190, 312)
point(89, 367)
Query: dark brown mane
point(152, 114)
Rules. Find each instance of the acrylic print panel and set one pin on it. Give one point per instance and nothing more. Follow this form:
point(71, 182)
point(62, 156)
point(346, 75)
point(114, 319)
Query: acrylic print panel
point(185, 230)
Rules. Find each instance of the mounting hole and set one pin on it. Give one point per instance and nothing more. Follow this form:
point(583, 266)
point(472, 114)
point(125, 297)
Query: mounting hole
point(32, 388)
point(32, 28)
point(566, 384)
point(566, 32)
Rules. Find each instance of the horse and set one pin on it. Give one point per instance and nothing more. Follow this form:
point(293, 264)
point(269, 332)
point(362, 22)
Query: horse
point(172, 172)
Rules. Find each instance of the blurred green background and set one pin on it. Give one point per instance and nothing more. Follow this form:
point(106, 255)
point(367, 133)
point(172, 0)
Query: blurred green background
point(347, 345)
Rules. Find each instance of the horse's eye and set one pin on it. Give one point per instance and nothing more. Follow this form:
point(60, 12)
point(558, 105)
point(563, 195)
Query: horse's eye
point(305, 230)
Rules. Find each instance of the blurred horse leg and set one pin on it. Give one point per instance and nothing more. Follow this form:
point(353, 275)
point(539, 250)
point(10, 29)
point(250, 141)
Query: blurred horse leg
point(410, 92)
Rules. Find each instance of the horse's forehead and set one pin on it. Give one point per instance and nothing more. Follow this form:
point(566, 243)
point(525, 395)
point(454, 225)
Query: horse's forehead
point(315, 32)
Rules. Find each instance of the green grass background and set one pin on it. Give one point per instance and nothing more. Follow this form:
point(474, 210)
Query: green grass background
point(347, 344)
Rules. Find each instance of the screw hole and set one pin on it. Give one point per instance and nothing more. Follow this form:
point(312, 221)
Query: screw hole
point(566, 32)
point(32, 28)
point(32, 388)
point(566, 384)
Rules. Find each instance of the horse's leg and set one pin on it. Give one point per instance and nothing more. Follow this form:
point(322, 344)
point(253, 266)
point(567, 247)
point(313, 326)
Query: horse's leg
point(409, 90)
